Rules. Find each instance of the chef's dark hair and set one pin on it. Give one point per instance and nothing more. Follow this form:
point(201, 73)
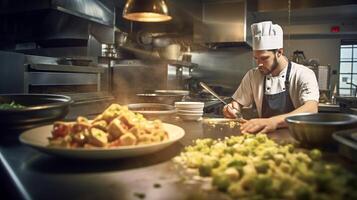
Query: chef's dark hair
point(273, 50)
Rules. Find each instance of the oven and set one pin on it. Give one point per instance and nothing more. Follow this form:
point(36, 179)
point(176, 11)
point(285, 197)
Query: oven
point(86, 85)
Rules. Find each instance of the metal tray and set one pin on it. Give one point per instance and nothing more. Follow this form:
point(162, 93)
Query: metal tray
point(347, 143)
point(39, 109)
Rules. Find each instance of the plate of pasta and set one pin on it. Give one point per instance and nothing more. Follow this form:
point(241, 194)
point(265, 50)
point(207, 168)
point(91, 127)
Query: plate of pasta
point(115, 133)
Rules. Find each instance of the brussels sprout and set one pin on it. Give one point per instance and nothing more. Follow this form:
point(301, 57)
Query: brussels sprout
point(303, 193)
point(263, 185)
point(278, 158)
point(315, 154)
point(232, 173)
point(262, 167)
point(236, 163)
point(235, 190)
point(261, 138)
point(205, 170)
point(221, 181)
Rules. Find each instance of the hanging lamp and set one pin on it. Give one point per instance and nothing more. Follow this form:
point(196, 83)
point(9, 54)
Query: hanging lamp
point(146, 11)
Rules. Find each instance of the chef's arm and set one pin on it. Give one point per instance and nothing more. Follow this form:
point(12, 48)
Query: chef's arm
point(307, 107)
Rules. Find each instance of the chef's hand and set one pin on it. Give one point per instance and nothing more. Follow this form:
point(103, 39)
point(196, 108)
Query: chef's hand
point(259, 125)
point(228, 112)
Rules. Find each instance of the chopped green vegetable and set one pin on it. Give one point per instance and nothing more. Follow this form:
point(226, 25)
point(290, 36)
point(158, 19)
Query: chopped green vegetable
point(255, 167)
point(9, 106)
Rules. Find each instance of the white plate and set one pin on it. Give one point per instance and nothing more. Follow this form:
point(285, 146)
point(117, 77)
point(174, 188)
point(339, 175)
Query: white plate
point(38, 139)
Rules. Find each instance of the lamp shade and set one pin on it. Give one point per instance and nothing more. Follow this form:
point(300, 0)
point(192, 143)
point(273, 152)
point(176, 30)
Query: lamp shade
point(146, 11)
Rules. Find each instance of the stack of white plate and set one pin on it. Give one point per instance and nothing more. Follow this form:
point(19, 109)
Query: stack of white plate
point(189, 110)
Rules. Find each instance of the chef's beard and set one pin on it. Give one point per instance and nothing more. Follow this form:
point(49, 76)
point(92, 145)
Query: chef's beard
point(272, 68)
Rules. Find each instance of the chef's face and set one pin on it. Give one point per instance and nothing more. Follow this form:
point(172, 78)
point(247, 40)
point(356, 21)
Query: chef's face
point(266, 60)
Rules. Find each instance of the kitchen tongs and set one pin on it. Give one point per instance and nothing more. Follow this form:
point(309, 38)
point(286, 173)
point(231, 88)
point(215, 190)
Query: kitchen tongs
point(206, 87)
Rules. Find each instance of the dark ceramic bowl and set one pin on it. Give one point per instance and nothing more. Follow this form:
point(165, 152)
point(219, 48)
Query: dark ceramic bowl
point(38, 109)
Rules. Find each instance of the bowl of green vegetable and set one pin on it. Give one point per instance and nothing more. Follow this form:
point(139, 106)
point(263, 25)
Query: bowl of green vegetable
point(23, 111)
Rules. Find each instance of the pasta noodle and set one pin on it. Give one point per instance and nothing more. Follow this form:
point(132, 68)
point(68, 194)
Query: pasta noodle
point(116, 126)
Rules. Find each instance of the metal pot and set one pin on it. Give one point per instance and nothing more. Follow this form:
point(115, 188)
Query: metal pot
point(170, 52)
point(161, 42)
point(120, 38)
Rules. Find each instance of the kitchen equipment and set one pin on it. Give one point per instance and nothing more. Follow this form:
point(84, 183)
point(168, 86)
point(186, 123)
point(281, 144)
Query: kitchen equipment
point(146, 11)
point(238, 113)
point(78, 61)
point(42, 74)
point(153, 111)
point(316, 129)
point(180, 92)
point(170, 52)
point(224, 22)
point(160, 42)
point(347, 143)
point(348, 104)
point(120, 38)
point(299, 57)
point(160, 98)
point(190, 111)
point(186, 105)
point(39, 109)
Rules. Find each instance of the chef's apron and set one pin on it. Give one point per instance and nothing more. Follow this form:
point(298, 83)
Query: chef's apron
point(280, 103)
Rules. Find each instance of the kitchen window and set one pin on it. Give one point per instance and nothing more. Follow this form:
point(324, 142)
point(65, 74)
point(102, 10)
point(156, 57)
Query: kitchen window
point(348, 69)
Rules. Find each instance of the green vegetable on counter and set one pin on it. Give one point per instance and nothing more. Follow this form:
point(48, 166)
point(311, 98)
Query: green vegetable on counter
point(255, 167)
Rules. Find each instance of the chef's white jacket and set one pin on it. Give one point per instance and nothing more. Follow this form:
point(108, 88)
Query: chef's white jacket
point(303, 86)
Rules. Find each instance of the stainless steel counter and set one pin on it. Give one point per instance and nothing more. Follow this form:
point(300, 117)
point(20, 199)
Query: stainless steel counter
point(35, 175)
point(333, 108)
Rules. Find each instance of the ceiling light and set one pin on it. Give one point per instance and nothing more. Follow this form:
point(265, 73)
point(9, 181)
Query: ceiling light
point(146, 11)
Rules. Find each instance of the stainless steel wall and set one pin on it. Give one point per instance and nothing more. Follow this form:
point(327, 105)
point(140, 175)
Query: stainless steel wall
point(223, 67)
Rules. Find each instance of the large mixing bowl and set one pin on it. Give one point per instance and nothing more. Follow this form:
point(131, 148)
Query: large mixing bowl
point(160, 98)
point(316, 129)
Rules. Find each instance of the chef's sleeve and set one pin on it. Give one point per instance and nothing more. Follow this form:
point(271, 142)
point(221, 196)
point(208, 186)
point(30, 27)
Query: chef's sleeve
point(308, 87)
point(244, 94)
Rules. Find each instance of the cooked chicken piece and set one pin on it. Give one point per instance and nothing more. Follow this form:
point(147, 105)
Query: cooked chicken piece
point(112, 112)
point(101, 124)
point(81, 119)
point(97, 137)
point(117, 128)
point(128, 139)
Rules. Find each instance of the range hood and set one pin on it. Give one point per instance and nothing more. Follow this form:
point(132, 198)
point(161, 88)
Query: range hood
point(92, 10)
point(51, 21)
point(225, 23)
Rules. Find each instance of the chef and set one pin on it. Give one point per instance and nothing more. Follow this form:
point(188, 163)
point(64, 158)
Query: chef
point(278, 87)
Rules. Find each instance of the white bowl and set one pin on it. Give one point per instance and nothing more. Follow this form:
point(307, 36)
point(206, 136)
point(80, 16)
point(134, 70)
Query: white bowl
point(192, 109)
point(198, 112)
point(190, 117)
point(185, 105)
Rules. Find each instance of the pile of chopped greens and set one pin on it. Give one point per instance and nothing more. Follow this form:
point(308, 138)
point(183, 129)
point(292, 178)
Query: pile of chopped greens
point(255, 167)
point(10, 106)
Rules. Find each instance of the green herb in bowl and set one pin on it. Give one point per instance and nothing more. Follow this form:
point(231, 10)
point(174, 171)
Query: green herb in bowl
point(10, 106)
